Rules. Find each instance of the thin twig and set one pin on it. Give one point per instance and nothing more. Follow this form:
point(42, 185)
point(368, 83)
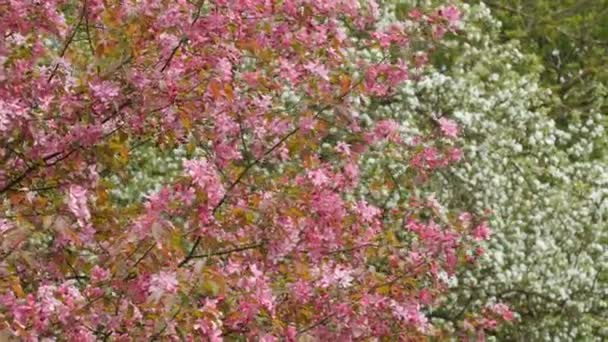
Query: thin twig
point(69, 40)
point(183, 40)
point(230, 251)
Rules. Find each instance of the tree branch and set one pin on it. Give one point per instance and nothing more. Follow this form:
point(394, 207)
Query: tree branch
point(69, 40)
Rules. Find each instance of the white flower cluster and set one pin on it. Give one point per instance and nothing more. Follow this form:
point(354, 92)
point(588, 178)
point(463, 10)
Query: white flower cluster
point(544, 178)
point(148, 169)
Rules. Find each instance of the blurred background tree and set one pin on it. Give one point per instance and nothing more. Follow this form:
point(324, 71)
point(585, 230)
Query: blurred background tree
point(571, 38)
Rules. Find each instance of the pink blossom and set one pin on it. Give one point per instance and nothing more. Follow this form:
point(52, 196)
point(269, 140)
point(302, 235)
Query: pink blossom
point(449, 128)
point(291, 333)
point(99, 274)
point(328, 204)
point(10, 114)
point(105, 91)
point(318, 177)
point(162, 283)
point(380, 78)
point(455, 154)
point(224, 68)
point(77, 202)
point(225, 125)
point(343, 148)
point(451, 14)
point(451, 260)
point(351, 170)
point(301, 291)
point(397, 74)
point(421, 59)
point(318, 69)
point(482, 232)
point(227, 152)
point(367, 212)
point(5, 225)
point(439, 32)
point(339, 276)
point(411, 314)
point(488, 324)
point(465, 219)
point(268, 338)
point(415, 14)
point(280, 126)
point(233, 266)
point(306, 124)
point(415, 258)
point(387, 129)
point(383, 38)
point(204, 175)
point(428, 158)
point(252, 78)
point(289, 71)
point(82, 335)
point(426, 298)
point(394, 35)
point(503, 310)
point(265, 297)
point(210, 329)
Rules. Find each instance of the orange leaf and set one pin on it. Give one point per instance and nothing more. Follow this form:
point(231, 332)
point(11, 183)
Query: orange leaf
point(216, 88)
point(345, 82)
point(228, 91)
point(16, 287)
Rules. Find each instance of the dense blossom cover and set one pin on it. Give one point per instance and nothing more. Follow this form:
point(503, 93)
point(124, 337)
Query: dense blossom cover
point(262, 231)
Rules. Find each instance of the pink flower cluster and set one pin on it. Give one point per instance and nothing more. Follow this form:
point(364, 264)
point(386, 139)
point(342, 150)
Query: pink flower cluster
point(268, 236)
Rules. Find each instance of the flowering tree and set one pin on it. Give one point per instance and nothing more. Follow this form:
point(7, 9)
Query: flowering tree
point(542, 181)
point(263, 230)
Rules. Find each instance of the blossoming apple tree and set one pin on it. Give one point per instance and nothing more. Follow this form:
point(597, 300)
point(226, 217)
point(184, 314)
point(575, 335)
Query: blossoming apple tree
point(262, 233)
